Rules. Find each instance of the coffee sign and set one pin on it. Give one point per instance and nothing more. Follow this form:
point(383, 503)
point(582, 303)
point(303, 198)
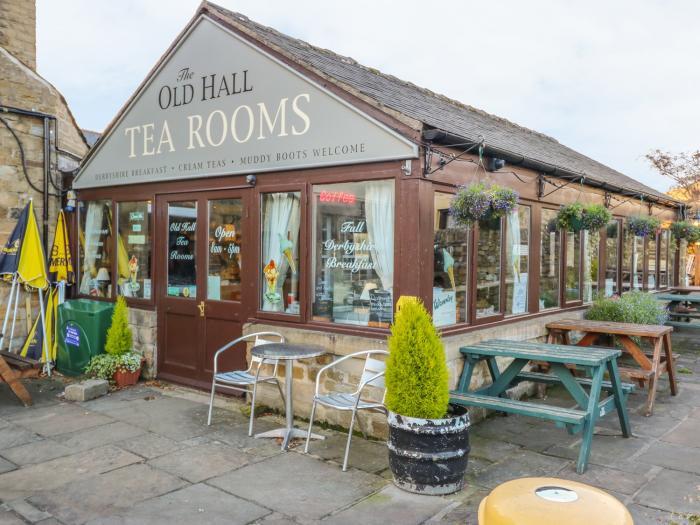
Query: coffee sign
point(218, 105)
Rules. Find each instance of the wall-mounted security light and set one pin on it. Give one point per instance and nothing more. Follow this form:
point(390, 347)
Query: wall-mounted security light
point(493, 164)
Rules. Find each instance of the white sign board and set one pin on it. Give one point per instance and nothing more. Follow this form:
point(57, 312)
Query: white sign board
point(444, 307)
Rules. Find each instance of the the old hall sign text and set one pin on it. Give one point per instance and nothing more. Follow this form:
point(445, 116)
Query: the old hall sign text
point(220, 106)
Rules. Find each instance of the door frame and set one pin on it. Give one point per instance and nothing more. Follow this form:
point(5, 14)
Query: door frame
point(202, 378)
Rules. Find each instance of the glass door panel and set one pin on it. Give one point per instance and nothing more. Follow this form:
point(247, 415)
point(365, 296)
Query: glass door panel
point(225, 239)
point(182, 255)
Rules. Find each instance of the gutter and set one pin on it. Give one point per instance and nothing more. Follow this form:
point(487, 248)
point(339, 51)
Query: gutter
point(448, 139)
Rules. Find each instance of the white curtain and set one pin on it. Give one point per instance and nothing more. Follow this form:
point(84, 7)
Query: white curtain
point(519, 299)
point(92, 235)
point(379, 210)
point(280, 221)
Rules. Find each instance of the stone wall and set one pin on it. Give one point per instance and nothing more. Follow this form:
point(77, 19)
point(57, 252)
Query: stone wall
point(348, 373)
point(144, 324)
point(22, 87)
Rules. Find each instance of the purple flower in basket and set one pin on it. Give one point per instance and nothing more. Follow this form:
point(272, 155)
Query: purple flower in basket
point(470, 204)
point(643, 225)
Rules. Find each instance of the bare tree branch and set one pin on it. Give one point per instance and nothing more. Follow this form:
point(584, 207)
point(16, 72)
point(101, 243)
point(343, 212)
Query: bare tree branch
point(682, 168)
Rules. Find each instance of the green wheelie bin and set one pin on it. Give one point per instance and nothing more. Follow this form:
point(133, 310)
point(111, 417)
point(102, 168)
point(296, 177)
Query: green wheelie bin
point(82, 332)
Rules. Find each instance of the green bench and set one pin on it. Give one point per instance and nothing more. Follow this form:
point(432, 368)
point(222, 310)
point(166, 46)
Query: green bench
point(677, 318)
point(586, 392)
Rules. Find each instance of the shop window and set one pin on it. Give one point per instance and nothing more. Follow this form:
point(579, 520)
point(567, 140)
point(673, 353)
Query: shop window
point(651, 262)
point(573, 266)
point(353, 253)
point(224, 253)
point(279, 290)
point(182, 249)
point(517, 263)
point(663, 258)
point(450, 266)
point(488, 268)
point(134, 249)
point(683, 266)
point(95, 251)
point(612, 250)
point(550, 250)
point(634, 260)
point(591, 259)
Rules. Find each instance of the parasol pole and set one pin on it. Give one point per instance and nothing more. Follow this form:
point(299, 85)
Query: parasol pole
point(45, 339)
point(14, 318)
point(7, 311)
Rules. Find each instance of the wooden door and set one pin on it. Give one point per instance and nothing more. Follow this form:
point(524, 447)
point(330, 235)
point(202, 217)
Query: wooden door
point(202, 302)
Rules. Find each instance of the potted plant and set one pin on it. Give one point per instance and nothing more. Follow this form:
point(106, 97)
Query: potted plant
point(476, 202)
point(643, 225)
point(503, 201)
point(470, 204)
point(570, 217)
point(595, 217)
point(119, 364)
point(428, 438)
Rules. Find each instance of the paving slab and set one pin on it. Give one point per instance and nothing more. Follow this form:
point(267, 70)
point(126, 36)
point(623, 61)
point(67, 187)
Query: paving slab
point(370, 456)
point(647, 516)
point(390, 505)
point(28, 511)
point(489, 449)
point(105, 494)
point(59, 419)
point(198, 503)
point(465, 507)
point(175, 418)
point(99, 436)
point(295, 484)
point(606, 450)
point(237, 436)
point(13, 436)
point(687, 433)
point(670, 455)
point(6, 466)
point(201, 462)
point(7, 517)
point(672, 491)
point(521, 464)
point(61, 471)
point(44, 391)
point(36, 452)
point(150, 445)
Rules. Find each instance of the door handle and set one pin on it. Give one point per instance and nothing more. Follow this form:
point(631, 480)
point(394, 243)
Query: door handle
point(201, 307)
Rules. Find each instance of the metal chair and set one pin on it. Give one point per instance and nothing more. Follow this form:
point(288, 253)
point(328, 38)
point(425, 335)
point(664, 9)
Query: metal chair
point(241, 380)
point(372, 374)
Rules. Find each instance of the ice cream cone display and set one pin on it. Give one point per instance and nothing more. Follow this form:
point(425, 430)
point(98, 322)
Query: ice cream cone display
point(287, 248)
point(133, 268)
point(271, 274)
point(448, 265)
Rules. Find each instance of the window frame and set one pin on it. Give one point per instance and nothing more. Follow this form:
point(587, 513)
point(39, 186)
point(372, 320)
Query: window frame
point(135, 301)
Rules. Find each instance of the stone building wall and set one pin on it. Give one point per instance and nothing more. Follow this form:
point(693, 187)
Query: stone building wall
point(144, 325)
point(348, 373)
point(22, 87)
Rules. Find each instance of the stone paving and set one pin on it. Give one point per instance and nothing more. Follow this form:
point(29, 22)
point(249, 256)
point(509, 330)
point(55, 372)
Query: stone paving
point(145, 455)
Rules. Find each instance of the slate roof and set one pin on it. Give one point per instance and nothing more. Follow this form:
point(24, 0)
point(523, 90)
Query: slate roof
point(91, 136)
point(437, 111)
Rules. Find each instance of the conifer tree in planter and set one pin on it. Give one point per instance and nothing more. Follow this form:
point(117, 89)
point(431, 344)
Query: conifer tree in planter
point(428, 438)
point(119, 364)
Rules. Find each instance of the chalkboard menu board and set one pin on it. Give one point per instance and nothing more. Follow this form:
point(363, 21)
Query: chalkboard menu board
point(323, 301)
point(381, 306)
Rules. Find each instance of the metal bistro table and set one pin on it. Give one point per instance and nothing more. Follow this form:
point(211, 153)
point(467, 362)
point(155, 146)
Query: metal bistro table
point(289, 353)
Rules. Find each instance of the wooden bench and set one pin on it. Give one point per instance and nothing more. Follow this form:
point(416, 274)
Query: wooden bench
point(590, 406)
point(14, 368)
point(651, 367)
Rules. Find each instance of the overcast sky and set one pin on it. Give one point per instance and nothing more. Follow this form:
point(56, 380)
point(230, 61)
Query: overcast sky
point(612, 80)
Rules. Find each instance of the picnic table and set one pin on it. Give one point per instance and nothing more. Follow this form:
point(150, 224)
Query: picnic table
point(684, 290)
point(591, 405)
point(682, 307)
point(13, 368)
point(651, 366)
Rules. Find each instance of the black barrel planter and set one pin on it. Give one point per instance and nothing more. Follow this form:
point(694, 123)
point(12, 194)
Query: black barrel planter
point(429, 456)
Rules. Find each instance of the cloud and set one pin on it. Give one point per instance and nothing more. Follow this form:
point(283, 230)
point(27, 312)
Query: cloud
point(612, 80)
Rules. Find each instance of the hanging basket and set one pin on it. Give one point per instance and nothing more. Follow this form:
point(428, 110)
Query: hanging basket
point(595, 217)
point(643, 225)
point(570, 217)
point(684, 230)
point(476, 203)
